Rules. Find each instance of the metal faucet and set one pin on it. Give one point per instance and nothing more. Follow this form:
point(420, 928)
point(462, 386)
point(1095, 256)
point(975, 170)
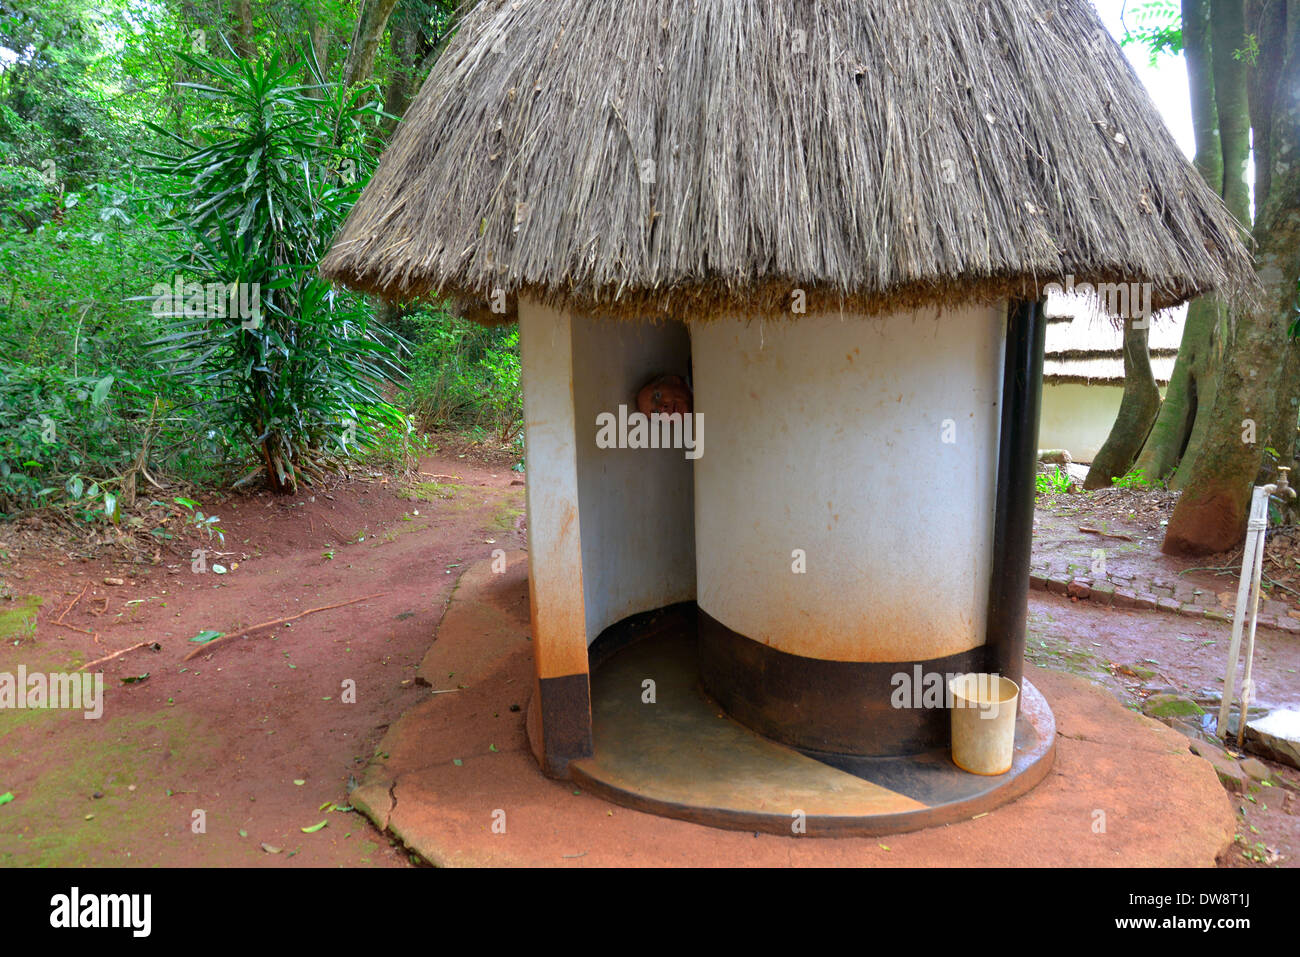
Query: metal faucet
point(1283, 487)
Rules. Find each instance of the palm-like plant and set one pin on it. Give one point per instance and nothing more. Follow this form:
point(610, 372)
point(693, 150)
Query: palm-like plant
point(277, 169)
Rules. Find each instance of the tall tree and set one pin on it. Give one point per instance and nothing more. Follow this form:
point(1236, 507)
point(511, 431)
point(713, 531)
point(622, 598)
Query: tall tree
point(1267, 20)
point(245, 42)
point(369, 33)
point(1179, 429)
point(1211, 514)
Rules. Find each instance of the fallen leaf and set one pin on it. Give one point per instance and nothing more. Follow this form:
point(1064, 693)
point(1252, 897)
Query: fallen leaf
point(269, 849)
point(315, 827)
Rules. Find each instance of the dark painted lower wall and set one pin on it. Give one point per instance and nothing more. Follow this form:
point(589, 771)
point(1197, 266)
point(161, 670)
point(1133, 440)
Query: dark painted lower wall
point(842, 707)
point(559, 722)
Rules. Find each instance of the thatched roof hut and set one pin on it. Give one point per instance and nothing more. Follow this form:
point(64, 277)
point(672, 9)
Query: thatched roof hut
point(687, 159)
point(933, 164)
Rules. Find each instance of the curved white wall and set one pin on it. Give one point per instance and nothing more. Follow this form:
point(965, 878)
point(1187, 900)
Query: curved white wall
point(826, 434)
point(637, 505)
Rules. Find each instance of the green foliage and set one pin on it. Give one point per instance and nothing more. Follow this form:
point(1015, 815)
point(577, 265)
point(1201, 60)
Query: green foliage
point(1135, 479)
point(1294, 330)
point(195, 518)
point(1054, 482)
point(464, 376)
point(257, 163)
point(1249, 54)
point(54, 103)
point(73, 405)
point(1156, 25)
point(288, 363)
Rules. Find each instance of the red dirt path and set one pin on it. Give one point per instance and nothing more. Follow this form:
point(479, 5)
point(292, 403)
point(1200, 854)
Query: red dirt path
point(230, 732)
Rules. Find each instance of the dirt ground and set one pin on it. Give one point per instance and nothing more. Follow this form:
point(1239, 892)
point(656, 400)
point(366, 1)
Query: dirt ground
point(236, 756)
point(254, 733)
point(1137, 654)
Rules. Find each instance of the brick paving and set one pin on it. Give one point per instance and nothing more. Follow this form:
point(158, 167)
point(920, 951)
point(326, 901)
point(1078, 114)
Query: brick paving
point(1065, 563)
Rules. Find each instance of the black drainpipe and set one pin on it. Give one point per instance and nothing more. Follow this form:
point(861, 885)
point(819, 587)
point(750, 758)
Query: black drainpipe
point(1013, 515)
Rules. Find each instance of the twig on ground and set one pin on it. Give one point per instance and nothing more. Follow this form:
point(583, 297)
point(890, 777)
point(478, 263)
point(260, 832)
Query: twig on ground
point(1272, 583)
point(202, 649)
point(59, 620)
point(116, 654)
point(1218, 570)
point(1096, 531)
point(64, 624)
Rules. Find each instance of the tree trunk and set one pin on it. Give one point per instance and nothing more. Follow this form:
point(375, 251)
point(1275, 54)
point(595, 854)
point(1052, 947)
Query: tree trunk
point(1266, 20)
point(320, 44)
point(1227, 41)
point(1200, 82)
point(1137, 410)
point(1283, 425)
point(1211, 514)
point(1232, 107)
point(409, 45)
point(1191, 385)
point(1207, 391)
point(244, 44)
point(318, 37)
point(371, 25)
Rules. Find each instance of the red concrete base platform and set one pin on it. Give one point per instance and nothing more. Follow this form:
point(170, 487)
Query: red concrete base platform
point(664, 746)
point(455, 780)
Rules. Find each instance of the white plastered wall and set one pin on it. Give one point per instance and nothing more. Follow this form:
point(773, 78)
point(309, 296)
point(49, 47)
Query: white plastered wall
point(637, 505)
point(826, 435)
point(554, 527)
point(611, 532)
point(1078, 417)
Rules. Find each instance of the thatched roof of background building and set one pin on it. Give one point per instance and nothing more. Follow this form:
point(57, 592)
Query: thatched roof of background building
point(688, 157)
point(1085, 345)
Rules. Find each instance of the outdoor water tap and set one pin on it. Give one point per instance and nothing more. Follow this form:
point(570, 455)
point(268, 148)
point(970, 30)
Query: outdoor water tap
point(1283, 487)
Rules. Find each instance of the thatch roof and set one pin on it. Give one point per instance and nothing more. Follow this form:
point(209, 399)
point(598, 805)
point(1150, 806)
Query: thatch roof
point(1086, 346)
point(687, 157)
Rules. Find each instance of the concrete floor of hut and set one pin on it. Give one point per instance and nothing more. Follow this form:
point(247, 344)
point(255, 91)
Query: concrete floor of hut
point(681, 756)
point(456, 781)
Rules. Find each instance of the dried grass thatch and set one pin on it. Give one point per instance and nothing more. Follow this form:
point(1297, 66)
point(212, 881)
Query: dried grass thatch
point(1085, 344)
point(684, 158)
